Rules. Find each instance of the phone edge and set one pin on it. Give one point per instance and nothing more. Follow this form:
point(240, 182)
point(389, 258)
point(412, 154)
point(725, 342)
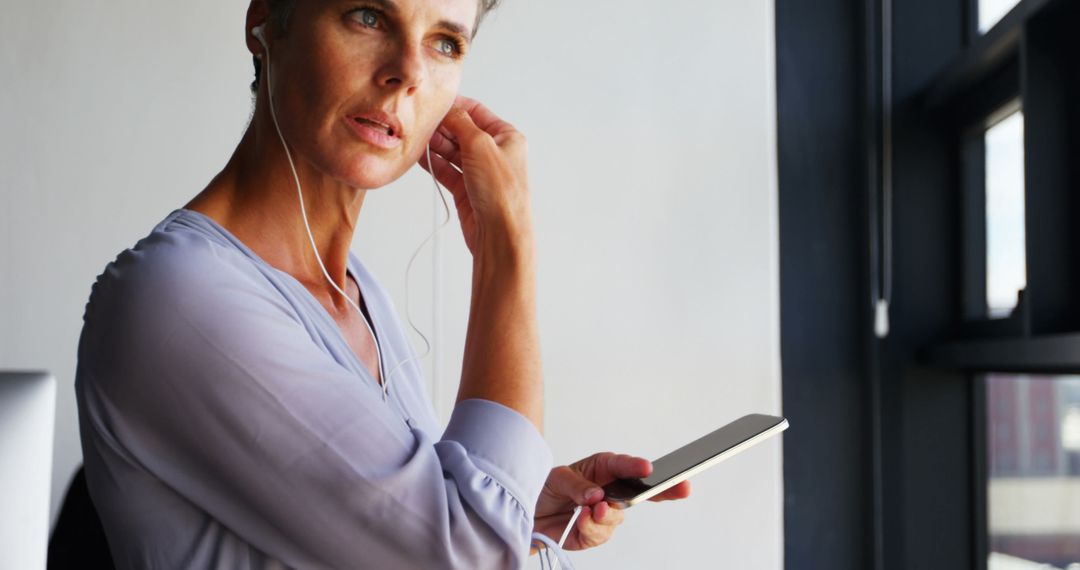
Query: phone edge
point(625, 504)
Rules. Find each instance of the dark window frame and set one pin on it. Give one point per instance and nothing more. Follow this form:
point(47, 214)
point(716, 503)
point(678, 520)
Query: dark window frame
point(900, 422)
point(993, 72)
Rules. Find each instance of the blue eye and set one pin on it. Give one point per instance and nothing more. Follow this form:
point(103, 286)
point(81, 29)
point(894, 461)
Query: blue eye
point(366, 16)
point(451, 47)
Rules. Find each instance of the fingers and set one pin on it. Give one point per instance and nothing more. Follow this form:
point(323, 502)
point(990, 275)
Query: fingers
point(579, 484)
point(680, 491)
point(444, 172)
point(445, 146)
point(605, 514)
point(624, 466)
point(566, 482)
point(606, 467)
point(470, 123)
point(463, 130)
point(482, 116)
point(596, 524)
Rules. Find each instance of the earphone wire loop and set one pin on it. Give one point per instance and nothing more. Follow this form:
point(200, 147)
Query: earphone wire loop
point(408, 269)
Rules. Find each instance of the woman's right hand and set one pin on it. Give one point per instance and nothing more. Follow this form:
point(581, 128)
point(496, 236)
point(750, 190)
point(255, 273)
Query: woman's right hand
point(491, 191)
point(482, 160)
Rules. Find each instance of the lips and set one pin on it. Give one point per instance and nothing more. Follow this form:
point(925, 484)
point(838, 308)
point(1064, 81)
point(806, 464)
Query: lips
point(387, 123)
point(378, 128)
point(376, 125)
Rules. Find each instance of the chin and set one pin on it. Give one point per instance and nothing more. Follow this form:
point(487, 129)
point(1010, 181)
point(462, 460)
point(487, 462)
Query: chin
point(371, 172)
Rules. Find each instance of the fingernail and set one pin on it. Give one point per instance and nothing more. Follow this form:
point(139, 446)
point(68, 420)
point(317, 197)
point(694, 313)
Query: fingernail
point(594, 494)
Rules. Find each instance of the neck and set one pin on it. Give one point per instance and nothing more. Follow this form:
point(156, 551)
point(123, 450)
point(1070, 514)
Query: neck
point(255, 198)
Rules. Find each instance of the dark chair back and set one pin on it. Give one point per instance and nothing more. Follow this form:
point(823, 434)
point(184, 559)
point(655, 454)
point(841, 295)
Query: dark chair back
point(78, 541)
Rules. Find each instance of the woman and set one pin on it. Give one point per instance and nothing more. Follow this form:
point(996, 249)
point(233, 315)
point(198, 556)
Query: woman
point(240, 396)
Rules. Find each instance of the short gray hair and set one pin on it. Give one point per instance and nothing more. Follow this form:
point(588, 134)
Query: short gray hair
point(281, 10)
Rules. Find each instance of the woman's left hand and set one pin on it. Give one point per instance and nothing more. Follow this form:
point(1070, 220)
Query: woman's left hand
point(580, 484)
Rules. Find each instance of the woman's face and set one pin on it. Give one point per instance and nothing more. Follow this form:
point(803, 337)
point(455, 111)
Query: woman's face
point(343, 67)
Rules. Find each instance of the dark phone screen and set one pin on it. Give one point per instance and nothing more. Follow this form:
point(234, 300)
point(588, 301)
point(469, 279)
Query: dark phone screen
point(693, 454)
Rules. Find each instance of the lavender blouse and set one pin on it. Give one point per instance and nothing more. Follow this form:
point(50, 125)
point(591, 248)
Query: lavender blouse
point(225, 423)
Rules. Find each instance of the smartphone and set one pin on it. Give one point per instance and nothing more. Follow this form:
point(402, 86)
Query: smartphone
point(693, 458)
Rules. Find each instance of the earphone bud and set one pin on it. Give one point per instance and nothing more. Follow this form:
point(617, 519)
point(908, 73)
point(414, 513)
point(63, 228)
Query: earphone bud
point(257, 31)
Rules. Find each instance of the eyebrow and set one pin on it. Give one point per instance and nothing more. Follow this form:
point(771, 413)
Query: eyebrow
point(391, 8)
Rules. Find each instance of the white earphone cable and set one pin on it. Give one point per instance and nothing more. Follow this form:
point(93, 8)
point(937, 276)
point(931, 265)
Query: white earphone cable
point(570, 525)
point(408, 268)
point(560, 556)
point(314, 248)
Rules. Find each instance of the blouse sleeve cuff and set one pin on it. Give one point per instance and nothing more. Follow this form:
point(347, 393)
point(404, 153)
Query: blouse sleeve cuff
point(504, 444)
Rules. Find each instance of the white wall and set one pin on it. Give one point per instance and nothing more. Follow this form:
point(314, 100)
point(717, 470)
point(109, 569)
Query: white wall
point(652, 138)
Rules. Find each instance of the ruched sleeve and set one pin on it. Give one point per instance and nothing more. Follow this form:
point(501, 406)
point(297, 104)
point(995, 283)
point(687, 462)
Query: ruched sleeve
point(205, 378)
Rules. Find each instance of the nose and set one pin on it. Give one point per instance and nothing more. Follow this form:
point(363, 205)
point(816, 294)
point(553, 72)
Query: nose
point(404, 67)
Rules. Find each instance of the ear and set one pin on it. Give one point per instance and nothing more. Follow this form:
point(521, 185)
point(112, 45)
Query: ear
point(258, 13)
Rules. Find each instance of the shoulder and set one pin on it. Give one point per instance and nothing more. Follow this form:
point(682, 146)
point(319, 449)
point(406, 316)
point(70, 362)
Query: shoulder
point(179, 273)
point(171, 264)
point(182, 307)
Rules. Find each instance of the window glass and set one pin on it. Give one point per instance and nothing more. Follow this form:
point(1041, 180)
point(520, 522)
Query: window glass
point(1006, 260)
point(1033, 494)
point(990, 11)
